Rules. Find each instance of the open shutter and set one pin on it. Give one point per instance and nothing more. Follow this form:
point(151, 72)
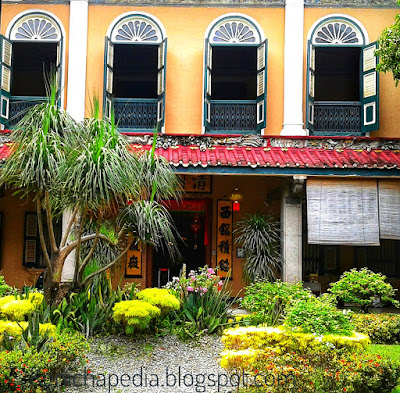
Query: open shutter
point(161, 78)
point(207, 85)
point(262, 52)
point(59, 70)
point(5, 79)
point(369, 88)
point(31, 240)
point(310, 86)
point(108, 77)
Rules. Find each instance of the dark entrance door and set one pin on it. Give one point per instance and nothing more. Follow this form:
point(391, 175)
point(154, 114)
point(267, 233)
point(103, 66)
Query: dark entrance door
point(191, 227)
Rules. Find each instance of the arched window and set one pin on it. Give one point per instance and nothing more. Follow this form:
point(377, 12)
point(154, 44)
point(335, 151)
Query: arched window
point(235, 76)
point(134, 72)
point(342, 82)
point(31, 56)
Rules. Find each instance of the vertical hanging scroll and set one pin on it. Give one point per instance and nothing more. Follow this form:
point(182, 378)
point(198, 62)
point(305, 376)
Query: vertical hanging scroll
point(224, 238)
point(133, 267)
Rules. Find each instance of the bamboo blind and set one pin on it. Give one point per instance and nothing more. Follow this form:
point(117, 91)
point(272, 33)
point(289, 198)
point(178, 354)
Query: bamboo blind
point(342, 211)
point(389, 209)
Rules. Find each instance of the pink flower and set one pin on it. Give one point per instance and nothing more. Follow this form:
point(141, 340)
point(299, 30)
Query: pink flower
point(204, 290)
point(189, 289)
point(210, 270)
point(221, 283)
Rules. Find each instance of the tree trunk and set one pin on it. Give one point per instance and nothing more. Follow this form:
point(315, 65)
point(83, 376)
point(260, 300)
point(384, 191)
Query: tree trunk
point(54, 289)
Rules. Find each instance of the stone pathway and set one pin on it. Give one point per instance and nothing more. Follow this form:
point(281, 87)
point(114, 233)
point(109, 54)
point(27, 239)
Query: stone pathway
point(156, 365)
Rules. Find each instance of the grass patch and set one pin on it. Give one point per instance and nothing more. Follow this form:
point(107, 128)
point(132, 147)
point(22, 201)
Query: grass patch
point(390, 351)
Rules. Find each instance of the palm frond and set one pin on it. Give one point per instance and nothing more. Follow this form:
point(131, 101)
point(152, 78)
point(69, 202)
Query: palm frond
point(150, 222)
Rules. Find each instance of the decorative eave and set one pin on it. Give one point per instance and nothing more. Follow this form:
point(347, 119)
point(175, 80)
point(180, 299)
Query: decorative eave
point(255, 154)
point(274, 155)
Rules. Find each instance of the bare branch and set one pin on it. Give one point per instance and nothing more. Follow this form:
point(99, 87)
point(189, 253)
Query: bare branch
point(69, 225)
point(109, 265)
point(41, 236)
point(89, 255)
point(53, 244)
point(70, 247)
point(78, 246)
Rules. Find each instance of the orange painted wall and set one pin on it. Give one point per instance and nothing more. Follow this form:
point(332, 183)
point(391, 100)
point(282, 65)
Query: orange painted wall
point(374, 21)
point(9, 11)
point(252, 202)
point(12, 240)
point(185, 29)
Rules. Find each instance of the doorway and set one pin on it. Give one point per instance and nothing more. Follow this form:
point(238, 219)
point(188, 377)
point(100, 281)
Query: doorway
point(192, 226)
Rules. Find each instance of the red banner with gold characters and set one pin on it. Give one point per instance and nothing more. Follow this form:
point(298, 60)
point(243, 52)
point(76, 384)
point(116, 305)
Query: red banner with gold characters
point(224, 238)
point(133, 267)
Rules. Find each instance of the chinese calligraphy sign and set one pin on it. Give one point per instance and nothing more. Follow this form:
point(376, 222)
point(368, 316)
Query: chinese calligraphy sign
point(133, 266)
point(201, 183)
point(224, 238)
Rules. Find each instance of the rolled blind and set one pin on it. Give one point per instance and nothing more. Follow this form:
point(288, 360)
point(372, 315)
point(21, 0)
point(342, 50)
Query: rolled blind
point(342, 211)
point(389, 209)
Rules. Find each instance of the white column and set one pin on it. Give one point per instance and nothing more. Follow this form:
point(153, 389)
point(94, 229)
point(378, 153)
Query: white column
point(77, 52)
point(291, 232)
point(76, 91)
point(293, 69)
point(69, 265)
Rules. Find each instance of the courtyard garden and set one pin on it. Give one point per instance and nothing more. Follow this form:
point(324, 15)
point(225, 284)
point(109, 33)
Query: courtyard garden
point(188, 333)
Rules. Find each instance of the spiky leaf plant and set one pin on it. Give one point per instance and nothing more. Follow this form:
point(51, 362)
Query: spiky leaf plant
point(259, 236)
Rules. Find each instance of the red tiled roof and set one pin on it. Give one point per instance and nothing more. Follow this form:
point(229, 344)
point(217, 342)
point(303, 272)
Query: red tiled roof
point(293, 157)
point(274, 157)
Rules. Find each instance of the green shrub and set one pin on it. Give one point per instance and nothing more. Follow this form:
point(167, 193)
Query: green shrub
point(160, 298)
point(269, 300)
point(135, 314)
point(323, 373)
point(381, 328)
point(318, 316)
point(362, 287)
point(30, 370)
point(4, 288)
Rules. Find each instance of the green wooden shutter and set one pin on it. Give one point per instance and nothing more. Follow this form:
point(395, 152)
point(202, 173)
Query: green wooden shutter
point(310, 86)
point(369, 88)
point(207, 85)
point(108, 77)
point(161, 79)
point(262, 53)
point(31, 240)
point(59, 70)
point(5, 79)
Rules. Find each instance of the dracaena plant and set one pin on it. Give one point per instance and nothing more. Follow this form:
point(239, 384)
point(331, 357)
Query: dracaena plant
point(88, 170)
point(258, 234)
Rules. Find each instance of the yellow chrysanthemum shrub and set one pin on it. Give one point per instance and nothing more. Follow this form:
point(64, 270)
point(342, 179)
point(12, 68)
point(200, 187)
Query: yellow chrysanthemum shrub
point(135, 314)
point(283, 340)
point(276, 359)
point(160, 298)
point(15, 309)
point(15, 328)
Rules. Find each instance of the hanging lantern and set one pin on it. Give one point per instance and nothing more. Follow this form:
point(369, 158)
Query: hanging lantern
point(195, 228)
point(236, 197)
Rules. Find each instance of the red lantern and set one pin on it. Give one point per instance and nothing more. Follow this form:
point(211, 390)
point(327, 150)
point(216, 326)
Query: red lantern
point(236, 206)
